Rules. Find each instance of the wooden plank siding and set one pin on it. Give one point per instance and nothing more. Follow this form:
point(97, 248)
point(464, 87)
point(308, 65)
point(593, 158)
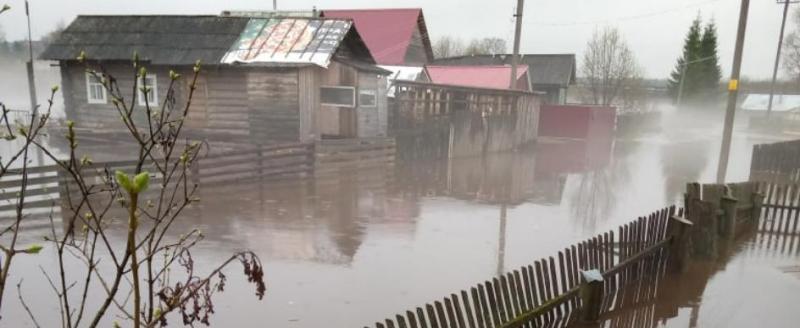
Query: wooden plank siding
point(273, 100)
point(262, 104)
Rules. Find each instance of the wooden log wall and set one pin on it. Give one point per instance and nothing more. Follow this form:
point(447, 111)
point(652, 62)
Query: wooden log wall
point(545, 293)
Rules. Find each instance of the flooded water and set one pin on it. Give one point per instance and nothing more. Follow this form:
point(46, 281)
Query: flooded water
point(349, 250)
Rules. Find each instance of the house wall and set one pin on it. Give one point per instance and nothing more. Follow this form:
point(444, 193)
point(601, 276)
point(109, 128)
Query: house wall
point(84, 114)
point(416, 54)
point(273, 101)
point(372, 119)
point(338, 121)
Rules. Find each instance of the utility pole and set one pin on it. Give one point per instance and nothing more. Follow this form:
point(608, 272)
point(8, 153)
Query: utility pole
point(29, 65)
point(517, 35)
point(777, 58)
point(274, 5)
point(733, 93)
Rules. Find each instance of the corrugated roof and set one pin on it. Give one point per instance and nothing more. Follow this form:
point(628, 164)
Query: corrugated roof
point(552, 69)
point(493, 77)
point(387, 32)
point(174, 40)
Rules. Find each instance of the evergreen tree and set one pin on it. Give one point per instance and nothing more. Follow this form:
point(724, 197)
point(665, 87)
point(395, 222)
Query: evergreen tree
point(691, 52)
point(709, 70)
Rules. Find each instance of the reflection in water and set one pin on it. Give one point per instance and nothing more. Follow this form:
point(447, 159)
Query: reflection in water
point(680, 163)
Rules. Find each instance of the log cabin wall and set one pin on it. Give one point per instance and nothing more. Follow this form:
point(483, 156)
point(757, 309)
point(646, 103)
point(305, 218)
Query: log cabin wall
point(105, 115)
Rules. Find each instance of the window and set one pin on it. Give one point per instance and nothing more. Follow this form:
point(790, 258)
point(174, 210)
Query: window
point(152, 89)
point(338, 96)
point(95, 91)
point(367, 97)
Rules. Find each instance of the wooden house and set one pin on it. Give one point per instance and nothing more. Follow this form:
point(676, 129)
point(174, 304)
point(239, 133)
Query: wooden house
point(268, 80)
point(395, 37)
point(549, 73)
point(487, 77)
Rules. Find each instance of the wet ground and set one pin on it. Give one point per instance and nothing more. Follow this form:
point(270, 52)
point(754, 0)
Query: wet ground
point(350, 250)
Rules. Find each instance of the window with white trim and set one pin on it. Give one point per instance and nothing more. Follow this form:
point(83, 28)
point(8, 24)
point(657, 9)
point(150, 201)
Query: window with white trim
point(151, 86)
point(367, 97)
point(338, 96)
point(95, 91)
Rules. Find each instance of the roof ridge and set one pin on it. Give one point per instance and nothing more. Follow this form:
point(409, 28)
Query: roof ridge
point(375, 9)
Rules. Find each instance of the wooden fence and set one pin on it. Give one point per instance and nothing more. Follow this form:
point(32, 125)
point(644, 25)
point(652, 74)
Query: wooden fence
point(781, 208)
point(334, 156)
point(776, 162)
point(47, 184)
point(475, 120)
point(547, 292)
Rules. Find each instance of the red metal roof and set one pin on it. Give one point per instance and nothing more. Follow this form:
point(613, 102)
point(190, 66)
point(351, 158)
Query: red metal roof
point(493, 77)
point(387, 32)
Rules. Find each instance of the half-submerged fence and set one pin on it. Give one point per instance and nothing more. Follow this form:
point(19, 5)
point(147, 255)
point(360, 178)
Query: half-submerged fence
point(46, 184)
point(551, 291)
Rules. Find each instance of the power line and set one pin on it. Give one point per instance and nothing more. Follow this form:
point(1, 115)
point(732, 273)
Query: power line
point(628, 18)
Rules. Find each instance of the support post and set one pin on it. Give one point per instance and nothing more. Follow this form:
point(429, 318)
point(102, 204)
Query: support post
point(591, 292)
point(728, 222)
point(758, 203)
point(733, 93)
point(678, 230)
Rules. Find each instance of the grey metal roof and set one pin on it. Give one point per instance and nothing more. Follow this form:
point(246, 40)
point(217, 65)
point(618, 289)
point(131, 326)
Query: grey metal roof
point(174, 40)
point(551, 69)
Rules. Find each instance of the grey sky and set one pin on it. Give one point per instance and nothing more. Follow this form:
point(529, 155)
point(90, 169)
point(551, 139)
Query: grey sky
point(654, 28)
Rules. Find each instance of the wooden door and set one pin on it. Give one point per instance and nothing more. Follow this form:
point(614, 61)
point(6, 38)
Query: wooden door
point(348, 122)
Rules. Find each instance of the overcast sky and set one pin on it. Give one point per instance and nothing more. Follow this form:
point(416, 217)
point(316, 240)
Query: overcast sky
point(654, 28)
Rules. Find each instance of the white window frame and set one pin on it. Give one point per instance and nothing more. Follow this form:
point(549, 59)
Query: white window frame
point(353, 101)
point(92, 81)
point(371, 92)
point(152, 101)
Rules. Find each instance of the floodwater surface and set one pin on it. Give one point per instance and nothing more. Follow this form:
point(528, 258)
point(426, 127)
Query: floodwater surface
point(357, 247)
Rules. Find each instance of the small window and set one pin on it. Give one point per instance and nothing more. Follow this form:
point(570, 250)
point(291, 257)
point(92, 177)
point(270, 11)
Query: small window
point(367, 98)
point(338, 96)
point(152, 89)
point(95, 91)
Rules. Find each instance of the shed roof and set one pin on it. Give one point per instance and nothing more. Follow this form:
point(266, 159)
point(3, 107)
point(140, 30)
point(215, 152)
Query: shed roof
point(551, 69)
point(493, 77)
point(387, 32)
point(780, 103)
point(182, 40)
point(158, 39)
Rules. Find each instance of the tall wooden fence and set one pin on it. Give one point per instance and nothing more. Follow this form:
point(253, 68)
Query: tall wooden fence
point(776, 162)
point(547, 292)
point(475, 120)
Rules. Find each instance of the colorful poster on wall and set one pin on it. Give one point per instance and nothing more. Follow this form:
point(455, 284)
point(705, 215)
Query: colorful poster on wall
point(288, 40)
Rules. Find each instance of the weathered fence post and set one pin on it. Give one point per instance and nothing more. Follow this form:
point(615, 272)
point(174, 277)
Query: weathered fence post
point(678, 230)
point(758, 203)
point(728, 218)
point(591, 292)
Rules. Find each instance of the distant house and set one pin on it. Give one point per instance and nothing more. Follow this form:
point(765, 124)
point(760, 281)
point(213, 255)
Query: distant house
point(487, 77)
point(550, 73)
point(270, 79)
point(395, 37)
